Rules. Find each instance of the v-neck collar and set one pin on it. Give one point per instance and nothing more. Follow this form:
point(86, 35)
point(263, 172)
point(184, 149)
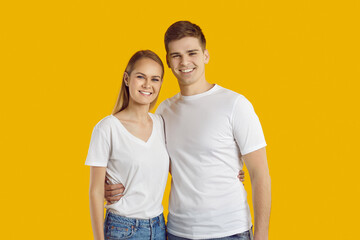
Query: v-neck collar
point(130, 135)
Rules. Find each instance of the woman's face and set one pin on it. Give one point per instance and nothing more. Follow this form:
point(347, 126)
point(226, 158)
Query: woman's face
point(144, 81)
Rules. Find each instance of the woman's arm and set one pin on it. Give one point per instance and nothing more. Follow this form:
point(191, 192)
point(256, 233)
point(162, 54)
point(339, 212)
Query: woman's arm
point(97, 178)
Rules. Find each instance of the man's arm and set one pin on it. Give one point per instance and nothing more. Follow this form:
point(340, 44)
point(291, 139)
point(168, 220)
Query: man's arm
point(113, 192)
point(241, 176)
point(256, 163)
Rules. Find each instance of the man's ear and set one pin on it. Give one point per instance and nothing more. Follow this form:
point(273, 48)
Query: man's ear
point(126, 79)
point(206, 56)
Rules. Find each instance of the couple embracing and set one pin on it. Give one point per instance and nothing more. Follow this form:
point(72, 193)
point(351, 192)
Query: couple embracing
point(203, 136)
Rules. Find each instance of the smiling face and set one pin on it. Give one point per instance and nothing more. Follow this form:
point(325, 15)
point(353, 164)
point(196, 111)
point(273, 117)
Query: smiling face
point(144, 81)
point(187, 61)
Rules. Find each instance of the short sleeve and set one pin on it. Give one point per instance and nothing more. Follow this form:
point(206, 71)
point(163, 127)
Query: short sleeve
point(247, 129)
point(99, 149)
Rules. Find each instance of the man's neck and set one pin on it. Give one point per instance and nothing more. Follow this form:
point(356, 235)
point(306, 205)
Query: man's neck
point(196, 88)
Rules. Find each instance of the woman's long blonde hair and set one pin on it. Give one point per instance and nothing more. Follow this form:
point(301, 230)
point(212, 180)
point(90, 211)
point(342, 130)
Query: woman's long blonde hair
point(123, 98)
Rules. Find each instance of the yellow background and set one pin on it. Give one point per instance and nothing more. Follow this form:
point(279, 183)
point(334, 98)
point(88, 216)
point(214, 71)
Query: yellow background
point(296, 61)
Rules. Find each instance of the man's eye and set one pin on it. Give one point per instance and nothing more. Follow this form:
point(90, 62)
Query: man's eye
point(140, 76)
point(191, 54)
point(156, 79)
point(176, 56)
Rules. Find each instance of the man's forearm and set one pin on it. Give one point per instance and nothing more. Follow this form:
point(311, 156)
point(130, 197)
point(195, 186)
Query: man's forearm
point(261, 195)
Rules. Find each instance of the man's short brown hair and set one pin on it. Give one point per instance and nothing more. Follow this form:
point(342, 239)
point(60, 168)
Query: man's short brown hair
point(183, 29)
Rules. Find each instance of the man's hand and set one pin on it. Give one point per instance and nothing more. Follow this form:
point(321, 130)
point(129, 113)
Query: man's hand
point(113, 192)
point(241, 176)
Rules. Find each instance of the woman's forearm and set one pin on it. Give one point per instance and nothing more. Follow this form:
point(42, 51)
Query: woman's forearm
point(97, 214)
point(97, 179)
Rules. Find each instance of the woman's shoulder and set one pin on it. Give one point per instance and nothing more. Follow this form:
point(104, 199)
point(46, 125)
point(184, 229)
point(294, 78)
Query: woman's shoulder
point(105, 123)
point(157, 118)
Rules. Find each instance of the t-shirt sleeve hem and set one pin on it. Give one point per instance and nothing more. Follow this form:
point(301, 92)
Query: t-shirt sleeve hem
point(94, 164)
point(253, 149)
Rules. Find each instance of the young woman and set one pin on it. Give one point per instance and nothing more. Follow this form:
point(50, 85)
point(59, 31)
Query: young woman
point(128, 147)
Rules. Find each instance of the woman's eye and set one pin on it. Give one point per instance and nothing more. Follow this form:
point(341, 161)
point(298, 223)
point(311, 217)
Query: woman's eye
point(156, 79)
point(140, 76)
point(176, 56)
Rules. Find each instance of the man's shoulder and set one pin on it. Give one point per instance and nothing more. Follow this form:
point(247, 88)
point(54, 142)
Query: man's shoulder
point(230, 100)
point(167, 103)
point(228, 94)
point(172, 99)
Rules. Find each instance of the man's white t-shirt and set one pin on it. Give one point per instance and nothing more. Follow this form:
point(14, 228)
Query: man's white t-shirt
point(142, 167)
point(206, 136)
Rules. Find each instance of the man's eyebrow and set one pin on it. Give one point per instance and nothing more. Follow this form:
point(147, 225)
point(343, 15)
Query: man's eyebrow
point(188, 51)
point(193, 50)
point(174, 53)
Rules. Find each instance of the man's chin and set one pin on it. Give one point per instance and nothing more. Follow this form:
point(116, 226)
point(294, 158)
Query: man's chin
point(185, 81)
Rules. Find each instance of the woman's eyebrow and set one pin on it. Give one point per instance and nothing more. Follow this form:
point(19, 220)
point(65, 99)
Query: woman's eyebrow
point(145, 74)
point(140, 73)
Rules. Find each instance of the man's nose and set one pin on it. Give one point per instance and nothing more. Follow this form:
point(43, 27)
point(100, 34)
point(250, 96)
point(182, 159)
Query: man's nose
point(184, 60)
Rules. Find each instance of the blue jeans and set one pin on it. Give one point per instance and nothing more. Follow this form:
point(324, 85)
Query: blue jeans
point(118, 227)
point(248, 235)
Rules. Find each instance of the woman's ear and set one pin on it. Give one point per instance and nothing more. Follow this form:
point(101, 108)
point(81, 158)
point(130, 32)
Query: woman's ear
point(126, 79)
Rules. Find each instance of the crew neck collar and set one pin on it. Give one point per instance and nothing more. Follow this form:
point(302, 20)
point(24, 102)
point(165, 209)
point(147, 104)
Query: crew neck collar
point(210, 91)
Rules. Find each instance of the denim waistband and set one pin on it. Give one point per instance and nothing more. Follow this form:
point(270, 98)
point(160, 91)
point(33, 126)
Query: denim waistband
point(113, 217)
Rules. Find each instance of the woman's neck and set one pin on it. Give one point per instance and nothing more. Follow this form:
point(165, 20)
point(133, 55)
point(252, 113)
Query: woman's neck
point(136, 112)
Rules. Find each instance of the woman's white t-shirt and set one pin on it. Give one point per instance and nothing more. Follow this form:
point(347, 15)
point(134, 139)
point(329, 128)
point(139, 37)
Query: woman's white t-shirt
point(142, 167)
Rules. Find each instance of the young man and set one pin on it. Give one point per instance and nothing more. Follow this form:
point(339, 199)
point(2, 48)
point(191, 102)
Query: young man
point(210, 133)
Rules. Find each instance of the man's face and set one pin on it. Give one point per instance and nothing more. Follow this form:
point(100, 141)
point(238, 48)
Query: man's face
point(187, 60)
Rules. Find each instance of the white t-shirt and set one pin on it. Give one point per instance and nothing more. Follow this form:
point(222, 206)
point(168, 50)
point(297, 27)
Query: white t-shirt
point(142, 167)
point(206, 135)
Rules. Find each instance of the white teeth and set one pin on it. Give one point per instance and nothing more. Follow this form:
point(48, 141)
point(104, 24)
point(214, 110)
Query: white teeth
point(187, 70)
point(146, 93)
